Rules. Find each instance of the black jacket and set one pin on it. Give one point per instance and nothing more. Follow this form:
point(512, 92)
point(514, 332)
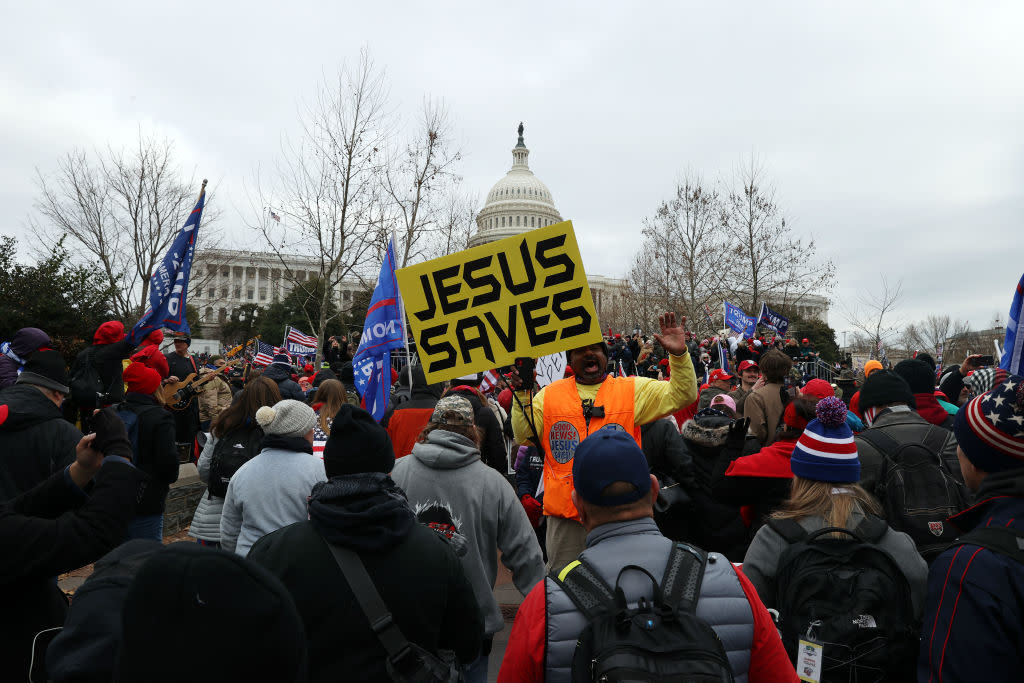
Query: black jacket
point(157, 455)
point(414, 569)
point(55, 528)
point(492, 451)
point(186, 422)
point(107, 359)
point(35, 440)
point(282, 375)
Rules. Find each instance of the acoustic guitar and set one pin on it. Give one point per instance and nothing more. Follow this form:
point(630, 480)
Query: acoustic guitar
point(179, 395)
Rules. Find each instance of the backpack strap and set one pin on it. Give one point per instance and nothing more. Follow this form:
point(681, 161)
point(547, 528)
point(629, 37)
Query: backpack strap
point(871, 529)
point(882, 442)
point(1003, 540)
point(585, 587)
point(934, 439)
point(366, 594)
point(789, 529)
point(684, 574)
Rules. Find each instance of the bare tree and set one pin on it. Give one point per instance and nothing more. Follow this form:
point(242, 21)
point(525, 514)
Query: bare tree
point(644, 297)
point(455, 221)
point(414, 181)
point(767, 262)
point(123, 209)
point(873, 315)
point(328, 189)
point(686, 237)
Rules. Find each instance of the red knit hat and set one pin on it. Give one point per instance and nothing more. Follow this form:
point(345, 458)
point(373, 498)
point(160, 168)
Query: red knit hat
point(792, 418)
point(141, 379)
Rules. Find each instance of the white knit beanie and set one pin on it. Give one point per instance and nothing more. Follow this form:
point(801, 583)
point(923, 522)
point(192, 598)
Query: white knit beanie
point(286, 418)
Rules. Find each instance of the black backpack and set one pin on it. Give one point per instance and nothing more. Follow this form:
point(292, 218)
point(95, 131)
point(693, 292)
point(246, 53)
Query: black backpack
point(661, 639)
point(917, 489)
point(231, 451)
point(849, 595)
point(85, 381)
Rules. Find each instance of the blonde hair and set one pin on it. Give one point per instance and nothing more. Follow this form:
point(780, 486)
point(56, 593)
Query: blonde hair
point(331, 393)
point(832, 502)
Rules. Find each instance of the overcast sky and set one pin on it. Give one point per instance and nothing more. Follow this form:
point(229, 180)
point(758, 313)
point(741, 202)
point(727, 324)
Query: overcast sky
point(893, 133)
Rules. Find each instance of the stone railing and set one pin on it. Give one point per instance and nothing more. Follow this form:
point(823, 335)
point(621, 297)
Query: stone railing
point(182, 499)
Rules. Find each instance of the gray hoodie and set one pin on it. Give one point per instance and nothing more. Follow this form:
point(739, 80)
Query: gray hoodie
point(447, 471)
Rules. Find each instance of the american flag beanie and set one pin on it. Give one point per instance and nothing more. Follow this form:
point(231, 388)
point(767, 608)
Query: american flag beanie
point(826, 450)
point(990, 428)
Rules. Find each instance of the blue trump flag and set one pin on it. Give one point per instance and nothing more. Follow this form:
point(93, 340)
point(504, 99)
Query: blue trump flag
point(738, 321)
point(776, 321)
point(169, 284)
point(1013, 346)
point(384, 330)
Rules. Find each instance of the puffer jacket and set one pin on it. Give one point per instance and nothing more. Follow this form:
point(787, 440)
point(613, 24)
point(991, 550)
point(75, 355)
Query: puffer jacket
point(715, 526)
point(14, 353)
point(35, 440)
point(206, 520)
point(282, 375)
point(548, 625)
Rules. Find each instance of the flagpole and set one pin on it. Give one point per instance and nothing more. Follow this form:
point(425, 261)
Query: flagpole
point(405, 323)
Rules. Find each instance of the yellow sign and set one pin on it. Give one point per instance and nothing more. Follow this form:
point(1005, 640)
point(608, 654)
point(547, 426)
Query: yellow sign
point(484, 307)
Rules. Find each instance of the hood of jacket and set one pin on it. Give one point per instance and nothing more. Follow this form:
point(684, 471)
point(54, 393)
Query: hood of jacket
point(420, 388)
point(444, 450)
point(23, 406)
point(707, 431)
point(994, 488)
point(109, 332)
point(277, 372)
point(365, 512)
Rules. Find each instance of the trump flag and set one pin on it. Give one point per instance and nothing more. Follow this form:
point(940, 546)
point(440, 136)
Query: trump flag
point(384, 330)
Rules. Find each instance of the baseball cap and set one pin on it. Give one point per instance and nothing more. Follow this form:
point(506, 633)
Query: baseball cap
point(718, 374)
point(605, 457)
point(724, 400)
point(453, 410)
point(746, 364)
point(818, 388)
point(805, 340)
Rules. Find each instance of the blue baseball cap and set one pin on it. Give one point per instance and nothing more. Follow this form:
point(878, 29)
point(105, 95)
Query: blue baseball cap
point(607, 456)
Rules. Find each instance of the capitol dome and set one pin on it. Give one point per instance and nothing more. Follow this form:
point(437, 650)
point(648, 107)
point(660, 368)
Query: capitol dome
point(517, 203)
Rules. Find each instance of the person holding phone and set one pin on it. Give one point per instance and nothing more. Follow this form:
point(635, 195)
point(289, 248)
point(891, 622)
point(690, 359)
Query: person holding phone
point(952, 381)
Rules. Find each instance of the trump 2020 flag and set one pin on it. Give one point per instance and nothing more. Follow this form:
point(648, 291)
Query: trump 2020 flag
point(738, 321)
point(776, 321)
point(1013, 346)
point(169, 284)
point(384, 330)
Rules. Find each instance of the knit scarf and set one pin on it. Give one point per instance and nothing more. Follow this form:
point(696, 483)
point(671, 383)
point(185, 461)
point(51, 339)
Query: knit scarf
point(364, 512)
point(6, 350)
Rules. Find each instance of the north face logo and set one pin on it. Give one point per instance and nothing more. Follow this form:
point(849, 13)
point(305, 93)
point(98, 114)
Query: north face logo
point(935, 528)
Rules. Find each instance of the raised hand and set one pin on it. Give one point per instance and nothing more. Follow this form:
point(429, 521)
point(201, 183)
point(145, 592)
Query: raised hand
point(673, 336)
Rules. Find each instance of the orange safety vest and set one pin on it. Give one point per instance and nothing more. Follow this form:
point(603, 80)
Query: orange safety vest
point(565, 425)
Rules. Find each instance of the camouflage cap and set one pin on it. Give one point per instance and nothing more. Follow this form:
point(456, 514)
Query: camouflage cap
point(453, 410)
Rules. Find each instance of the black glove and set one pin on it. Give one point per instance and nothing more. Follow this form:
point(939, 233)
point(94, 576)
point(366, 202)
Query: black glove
point(111, 435)
point(737, 433)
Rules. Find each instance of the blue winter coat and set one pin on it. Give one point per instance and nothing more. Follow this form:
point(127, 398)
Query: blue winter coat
point(974, 616)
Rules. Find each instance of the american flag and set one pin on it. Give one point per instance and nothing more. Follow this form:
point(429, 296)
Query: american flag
point(489, 380)
point(274, 215)
point(304, 339)
point(264, 353)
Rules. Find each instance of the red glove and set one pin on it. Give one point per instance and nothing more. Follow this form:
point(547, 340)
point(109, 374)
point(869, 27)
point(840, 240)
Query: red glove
point(533, 508)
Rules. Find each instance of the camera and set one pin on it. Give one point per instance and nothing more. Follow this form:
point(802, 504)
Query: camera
point(526, 367)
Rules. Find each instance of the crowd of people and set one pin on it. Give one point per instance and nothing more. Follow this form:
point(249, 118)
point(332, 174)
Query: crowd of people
point(667, 513)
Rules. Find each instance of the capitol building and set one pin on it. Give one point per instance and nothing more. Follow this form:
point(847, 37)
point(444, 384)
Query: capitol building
point(521, 202)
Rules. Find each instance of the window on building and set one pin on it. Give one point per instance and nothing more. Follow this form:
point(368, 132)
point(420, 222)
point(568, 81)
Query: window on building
point(263, 293)
point(225, 271)
point(249, 293)
point(300, 275)
point(238, 291)
point(208, 314)
point(222, 315)
point(264, 273)
point(517, 221)
point(533, 221)
point(503, 221)
point(211, 293)
point(346, 295)
point(224, 291)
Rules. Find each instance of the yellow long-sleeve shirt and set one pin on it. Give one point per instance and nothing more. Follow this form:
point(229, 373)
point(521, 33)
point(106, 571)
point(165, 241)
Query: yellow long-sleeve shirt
point(653, 399)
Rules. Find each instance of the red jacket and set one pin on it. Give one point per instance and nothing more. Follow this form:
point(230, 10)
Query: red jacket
point(524, 654)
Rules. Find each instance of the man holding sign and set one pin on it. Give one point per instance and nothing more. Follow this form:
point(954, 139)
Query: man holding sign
point(566, 411)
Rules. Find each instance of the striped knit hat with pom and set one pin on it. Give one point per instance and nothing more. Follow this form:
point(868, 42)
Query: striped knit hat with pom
point(826, 450)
